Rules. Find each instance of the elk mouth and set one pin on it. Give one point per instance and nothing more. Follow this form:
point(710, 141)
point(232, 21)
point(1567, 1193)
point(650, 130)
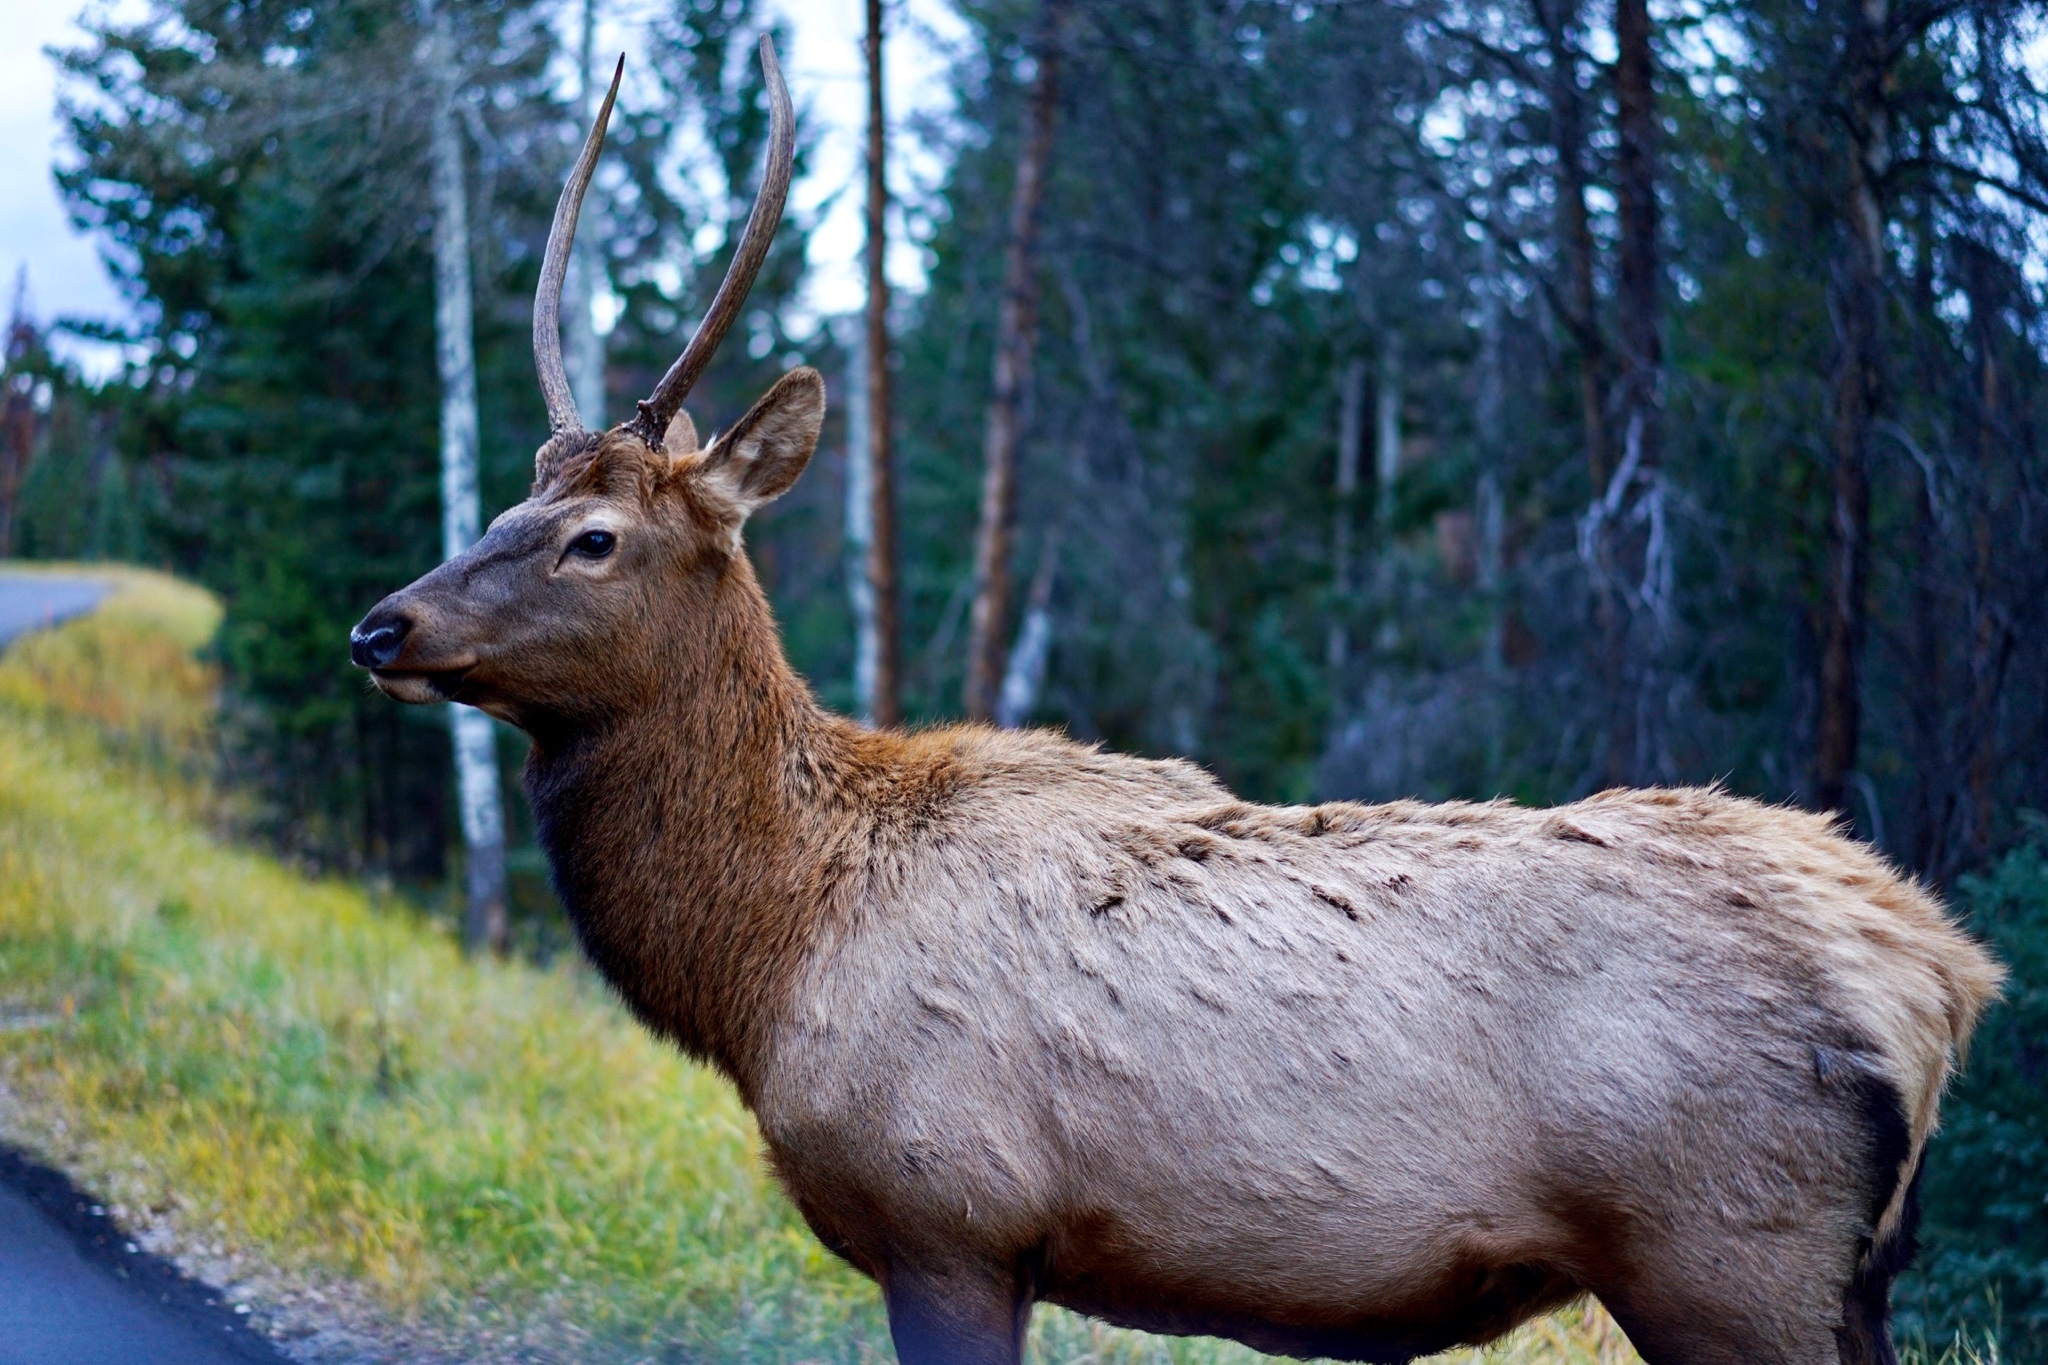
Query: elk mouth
point(420, 686)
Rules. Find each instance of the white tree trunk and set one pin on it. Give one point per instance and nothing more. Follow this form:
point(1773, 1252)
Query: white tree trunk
point(860, 530)
point(476, 758)
point(1024, 672)
point(583, 348)
point(1387, 432)
point(1350, 444)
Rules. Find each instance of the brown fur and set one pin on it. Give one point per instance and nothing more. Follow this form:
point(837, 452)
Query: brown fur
point(1022, 1019)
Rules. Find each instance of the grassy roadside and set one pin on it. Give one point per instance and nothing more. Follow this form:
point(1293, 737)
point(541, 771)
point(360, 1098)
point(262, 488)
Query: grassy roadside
point(267, 1069)
point(309, 1096)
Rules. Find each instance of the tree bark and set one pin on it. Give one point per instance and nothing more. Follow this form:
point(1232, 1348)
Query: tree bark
point(1575, 234)
point(476, 759)
point(880, 647)
point(1350, 448)
point(1635, 191)
point(1386, 453)
point(1016, 336)
point(1489, 513)
point(18, 422)
point(860, 532)
point(1856, 288)
point(1630, 553)
point(1024, 674)
point(583, 353)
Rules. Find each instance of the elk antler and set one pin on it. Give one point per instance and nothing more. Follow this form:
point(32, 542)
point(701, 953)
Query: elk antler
point(668, 395)
point(547, 299)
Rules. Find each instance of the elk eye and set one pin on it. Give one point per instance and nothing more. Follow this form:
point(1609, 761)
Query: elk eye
point(594, 544)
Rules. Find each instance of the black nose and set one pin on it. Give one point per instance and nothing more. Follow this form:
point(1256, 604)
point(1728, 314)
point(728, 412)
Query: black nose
point(376, 642)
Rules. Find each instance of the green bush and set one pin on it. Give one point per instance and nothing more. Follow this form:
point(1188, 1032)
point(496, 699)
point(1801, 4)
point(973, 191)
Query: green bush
point(1984, 1263)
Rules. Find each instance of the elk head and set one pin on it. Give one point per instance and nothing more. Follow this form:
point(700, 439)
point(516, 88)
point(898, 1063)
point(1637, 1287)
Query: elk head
point(561, 609)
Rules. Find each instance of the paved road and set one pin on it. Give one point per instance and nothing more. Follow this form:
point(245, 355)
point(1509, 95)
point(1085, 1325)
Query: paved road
point(72, 1293)
point(31, 601)
point(71, 1290)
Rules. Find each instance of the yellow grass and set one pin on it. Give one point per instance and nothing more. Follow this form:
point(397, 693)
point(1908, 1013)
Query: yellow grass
point(263, 1070)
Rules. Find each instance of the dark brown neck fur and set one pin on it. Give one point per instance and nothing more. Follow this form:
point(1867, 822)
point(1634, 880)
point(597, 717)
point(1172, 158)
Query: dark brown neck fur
point(700, 843)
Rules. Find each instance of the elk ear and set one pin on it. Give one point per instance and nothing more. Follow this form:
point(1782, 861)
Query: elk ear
point(757, 461)
point(681, 437)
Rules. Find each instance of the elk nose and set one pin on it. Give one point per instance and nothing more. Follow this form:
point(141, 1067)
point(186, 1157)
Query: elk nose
point(376, 642)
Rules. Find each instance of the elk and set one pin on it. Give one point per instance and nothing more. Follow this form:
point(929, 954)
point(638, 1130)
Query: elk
point(1022, 1020)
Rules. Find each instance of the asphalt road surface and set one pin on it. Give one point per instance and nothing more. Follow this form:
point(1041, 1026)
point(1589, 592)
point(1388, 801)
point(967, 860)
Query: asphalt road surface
point(72, 1289)
point(31, 601)
point(72, 1292)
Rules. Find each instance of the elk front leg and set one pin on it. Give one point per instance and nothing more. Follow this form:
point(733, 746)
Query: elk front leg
point(966, 1316)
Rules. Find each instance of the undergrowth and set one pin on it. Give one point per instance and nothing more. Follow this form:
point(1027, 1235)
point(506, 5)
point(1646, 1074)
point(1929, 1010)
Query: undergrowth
point(298, 1074)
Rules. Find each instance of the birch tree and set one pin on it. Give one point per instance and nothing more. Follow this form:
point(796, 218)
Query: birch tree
point(583, 348)
point(1024, 671)
point(1350, 445)
point(484, 922)
point(859, 519)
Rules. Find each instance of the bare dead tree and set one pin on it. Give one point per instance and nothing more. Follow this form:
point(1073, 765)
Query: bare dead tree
point(1016, 337)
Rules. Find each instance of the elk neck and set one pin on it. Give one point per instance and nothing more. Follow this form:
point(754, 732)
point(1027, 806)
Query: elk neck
point(700, 841)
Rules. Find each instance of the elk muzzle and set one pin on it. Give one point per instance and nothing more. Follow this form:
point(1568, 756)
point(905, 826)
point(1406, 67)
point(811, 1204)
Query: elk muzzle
point(375, 643)
point(389, 643)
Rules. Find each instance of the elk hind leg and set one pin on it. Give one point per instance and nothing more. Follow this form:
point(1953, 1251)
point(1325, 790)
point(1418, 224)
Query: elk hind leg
point(1705, 1293)
point(1677, 1325)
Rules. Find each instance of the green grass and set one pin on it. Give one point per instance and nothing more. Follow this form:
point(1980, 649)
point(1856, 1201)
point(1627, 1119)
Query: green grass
point(290, 1069)
point(308, 1091)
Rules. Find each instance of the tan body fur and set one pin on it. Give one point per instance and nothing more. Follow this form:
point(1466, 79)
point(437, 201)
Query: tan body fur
point(1402, 1073)
point(1024, 1020)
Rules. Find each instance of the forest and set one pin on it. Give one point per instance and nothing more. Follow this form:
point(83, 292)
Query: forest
point(1364, 398)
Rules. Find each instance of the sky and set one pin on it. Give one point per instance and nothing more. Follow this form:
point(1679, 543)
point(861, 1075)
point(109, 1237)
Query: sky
point(824, 69)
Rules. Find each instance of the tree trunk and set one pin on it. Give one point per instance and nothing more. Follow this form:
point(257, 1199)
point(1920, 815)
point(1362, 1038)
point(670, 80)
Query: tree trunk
point(1016, 335)
point(1488, 511)
point(1629, 549)
point(1856, 285)
point(1991, 631)
point(476, 758)
point(860, 532)
point(880, 647)
point(17, 413)
point(1635, 190)
point(1386, 445)
point(1024, 674)
point(1575, 234)
point(1350, 447)
point(1931, 789)
point(583, 353)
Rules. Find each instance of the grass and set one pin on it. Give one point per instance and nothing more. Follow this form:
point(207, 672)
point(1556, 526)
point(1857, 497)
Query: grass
point(306, 1092)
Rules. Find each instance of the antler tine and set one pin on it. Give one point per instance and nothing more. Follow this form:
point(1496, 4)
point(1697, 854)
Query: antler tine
point(657, 409)
point(547, 298)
